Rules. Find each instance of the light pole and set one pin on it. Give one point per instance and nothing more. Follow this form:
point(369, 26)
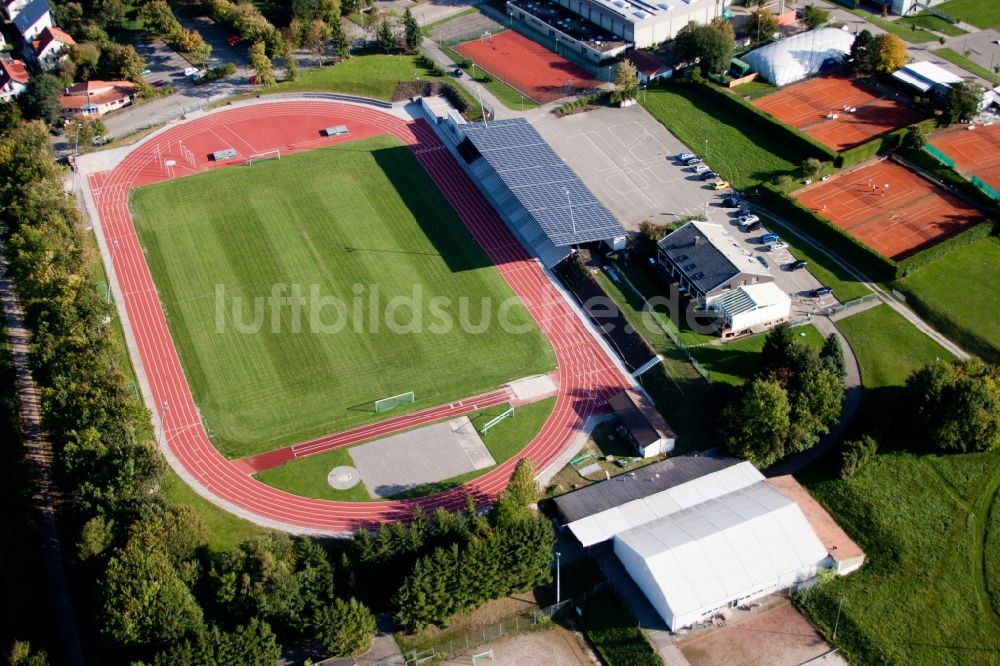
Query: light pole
point(836, 623)
point(114, 246)
point(558, 590)
point(706, 148)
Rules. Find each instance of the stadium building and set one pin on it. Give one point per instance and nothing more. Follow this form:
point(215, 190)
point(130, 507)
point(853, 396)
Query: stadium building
point(609, 27)
point(540, 198)
point(699, 534)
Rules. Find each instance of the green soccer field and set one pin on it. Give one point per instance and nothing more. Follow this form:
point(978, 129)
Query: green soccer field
point(358, 230)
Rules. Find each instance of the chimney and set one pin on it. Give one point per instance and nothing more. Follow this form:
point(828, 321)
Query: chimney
point(696, 241)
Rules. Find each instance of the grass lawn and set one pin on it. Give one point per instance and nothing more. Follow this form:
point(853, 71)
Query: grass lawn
point(366, 233)
point(739, 151)
point(755, 89)
point(603, 441)
point(960, 294)
point(845, 286)
point(900, 30)
point(980, 13)
point(733, 362)
point(613, 634)
point(929, 21)
point(968, 65)
point(923, 596)
point(307, 476)
point(682, 395)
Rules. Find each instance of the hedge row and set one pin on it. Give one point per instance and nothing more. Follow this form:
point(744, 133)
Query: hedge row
point(810, 146)
point(924, 257)
point(878, 146)
point(874, 265)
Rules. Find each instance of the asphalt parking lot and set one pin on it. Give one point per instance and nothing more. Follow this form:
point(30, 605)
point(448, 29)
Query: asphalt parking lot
point(629, 161)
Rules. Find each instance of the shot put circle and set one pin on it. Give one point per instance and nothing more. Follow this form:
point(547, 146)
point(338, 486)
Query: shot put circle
point(343, 477)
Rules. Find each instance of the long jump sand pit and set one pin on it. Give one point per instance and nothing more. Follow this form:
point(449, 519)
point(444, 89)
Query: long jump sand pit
point(424, 455)
point(807, 106)
point(909, 215)
point(975, 151)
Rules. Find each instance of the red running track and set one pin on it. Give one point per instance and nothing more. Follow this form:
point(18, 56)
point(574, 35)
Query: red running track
point(585, 375)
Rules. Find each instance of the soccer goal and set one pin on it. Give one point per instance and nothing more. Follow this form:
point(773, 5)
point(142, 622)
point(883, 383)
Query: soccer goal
point(266, 155)
point(509, 414)
point(393, 401)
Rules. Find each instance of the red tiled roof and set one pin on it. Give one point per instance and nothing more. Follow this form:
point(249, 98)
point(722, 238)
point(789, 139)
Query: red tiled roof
point(93, 88)
point(644, 62)
point(13, 70)
point(49, 35)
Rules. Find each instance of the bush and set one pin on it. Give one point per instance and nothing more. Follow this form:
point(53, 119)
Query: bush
point(924, 257)
point(855, 454)
point(216, 73)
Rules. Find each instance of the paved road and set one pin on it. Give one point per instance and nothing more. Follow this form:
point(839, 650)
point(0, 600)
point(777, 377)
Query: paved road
point(39, 454)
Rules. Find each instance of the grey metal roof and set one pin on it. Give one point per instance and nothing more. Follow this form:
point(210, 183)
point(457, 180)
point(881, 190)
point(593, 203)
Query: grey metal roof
point(30, 14)
point(643, 482)
point(707, 256)
point(633, 419)
point(541, 181)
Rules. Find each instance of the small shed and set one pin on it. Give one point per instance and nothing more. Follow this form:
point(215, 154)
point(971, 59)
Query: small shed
point(648, 66)
point(640, 423)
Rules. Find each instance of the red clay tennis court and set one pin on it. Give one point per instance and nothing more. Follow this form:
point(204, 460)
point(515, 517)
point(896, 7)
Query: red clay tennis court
point(810, 105)
point(910, 215)
point(527, 66)
point(976, 151)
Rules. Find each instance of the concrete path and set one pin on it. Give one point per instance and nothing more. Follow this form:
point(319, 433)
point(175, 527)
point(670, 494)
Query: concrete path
point(39, 455)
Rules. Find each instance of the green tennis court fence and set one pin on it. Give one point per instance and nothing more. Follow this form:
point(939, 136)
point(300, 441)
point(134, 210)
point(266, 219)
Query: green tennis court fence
point(939, 156)
point(985, 188)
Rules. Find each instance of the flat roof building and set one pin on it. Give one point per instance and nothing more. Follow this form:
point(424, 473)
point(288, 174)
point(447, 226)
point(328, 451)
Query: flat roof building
point(751, 308)
point(926, 77)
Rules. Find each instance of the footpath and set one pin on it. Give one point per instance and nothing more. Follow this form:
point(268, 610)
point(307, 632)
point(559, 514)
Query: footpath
point(38, 452)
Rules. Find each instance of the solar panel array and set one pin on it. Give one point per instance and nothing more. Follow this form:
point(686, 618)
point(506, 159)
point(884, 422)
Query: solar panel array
point(565, 209)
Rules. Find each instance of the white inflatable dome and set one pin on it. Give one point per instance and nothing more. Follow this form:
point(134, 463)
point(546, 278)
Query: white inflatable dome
point(799, 57)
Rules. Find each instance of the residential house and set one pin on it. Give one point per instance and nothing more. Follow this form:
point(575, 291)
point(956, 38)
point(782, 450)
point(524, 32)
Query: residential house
point(13, 79)
point(32, 19)
point(13, 7)
point(51, 46)
point(96, 98)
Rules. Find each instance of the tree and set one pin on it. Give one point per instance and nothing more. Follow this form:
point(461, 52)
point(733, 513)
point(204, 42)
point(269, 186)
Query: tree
point(833, 354)
point(86, 56)
point(291, 67)
point(315, 35)
point(522, 486)
point(309, 10)
point(626, 82)
point(811, 167)
point(863, 53)
point(712, 48)
point(386, 38)
point(412, 36)
point(963, 101)
point(914, 138)
point(262, 66)
point(855, 454)
point(778, 344)
point(253, 644)
point(814, 16)
point(345, 628)
point(955, 406)
point(756, 424)
point(762, 25)
point(889, 53)
point(23, 654)
point(40, 101)
point(723, 26)
point(338, 39)
point(145, 601)
point(192, 43)
point(122, 62)
point(158, 18)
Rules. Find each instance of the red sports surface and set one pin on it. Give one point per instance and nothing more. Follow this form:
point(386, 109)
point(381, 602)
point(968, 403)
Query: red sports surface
point(527, 66)
point(910, 215)
point(976, 152)
point(806, 106)
point(585, 375)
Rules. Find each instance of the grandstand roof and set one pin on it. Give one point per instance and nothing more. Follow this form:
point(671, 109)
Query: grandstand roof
point(565, 209)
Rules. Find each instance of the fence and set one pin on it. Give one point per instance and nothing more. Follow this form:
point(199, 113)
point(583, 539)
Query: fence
point(867, 298)
point(985, 188)
point(512, 626)
point(446, 48)
point(939, 156)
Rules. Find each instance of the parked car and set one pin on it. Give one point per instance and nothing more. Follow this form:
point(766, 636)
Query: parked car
point(700, 168)
point(457, 73)
point(190, 70)
point(776, 245)
point(709, 175)
point(748, 219)
point(763, 261)
point(253, 80)
point(769, 238)
point(684, 157)
point(798, 264)
point(233, 40)
point(732, 201)
point(691, 161)
point(822, 291)
point(158, 83)
point(720, 185)
point(753, 227)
